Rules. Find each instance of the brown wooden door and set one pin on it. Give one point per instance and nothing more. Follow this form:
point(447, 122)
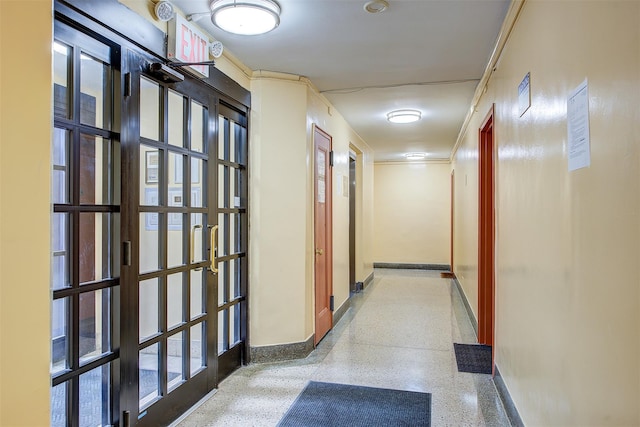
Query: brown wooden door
point(323, 243)
point(452, 224)
point(486, 234)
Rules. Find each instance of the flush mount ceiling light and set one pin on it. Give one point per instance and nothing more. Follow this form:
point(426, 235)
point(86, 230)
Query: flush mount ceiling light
point(404, 116)
point(245, 17)
point(415, 156)
point(376, 6)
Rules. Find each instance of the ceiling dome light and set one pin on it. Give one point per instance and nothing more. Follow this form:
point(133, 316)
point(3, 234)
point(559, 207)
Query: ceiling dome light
point(404, 116)
point(415, 156)
point(245, 17)
point(376, 6)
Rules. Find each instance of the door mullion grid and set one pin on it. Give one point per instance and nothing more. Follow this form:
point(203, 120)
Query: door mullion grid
point(74, 325)
point(186, 237)
point(225, 227)
point(163, 186)
point(243, 190)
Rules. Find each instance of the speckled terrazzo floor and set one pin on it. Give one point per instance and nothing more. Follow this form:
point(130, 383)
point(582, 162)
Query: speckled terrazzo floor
point(398, 334)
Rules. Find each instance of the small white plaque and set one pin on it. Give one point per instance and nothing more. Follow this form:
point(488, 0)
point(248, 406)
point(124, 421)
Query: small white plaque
point(524, 94)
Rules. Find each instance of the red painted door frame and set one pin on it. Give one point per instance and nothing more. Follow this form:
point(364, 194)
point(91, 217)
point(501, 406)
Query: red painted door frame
point(486, 232)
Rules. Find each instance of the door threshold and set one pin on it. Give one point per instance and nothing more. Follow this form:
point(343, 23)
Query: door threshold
point(193, 408)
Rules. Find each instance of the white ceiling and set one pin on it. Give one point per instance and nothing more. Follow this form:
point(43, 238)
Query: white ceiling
point(421, 54)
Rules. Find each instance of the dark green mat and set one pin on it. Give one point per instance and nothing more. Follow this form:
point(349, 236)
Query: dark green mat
point(327, 404)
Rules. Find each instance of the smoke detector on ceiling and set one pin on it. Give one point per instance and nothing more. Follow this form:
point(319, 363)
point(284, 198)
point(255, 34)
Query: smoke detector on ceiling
point(164, 11)
point(376, 6)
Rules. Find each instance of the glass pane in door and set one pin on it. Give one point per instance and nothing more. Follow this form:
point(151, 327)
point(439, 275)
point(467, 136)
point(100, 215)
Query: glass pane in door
point(58, 408)
point(95, 397)
point(60, 335)
point(198, 131)
point(149, 375)
point(175, 300)
point(197, 348)
point(95, 102)
point(176, 114)
point(175, 362)
point(150, 109)
point(149, 295)
point(95, 312)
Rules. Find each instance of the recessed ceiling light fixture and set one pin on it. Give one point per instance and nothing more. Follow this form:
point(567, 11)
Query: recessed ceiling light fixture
point(404, 116)
point(245, 17)
point(376, 6)
point(415, 156)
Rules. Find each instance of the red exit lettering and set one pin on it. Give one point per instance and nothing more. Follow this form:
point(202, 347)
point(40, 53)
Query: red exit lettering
point(192, 48)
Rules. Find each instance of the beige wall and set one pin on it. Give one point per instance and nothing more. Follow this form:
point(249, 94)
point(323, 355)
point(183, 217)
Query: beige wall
point(284, 110)
point(277, 197)
point(25, 138)
point(412, 213)
point(568, 243)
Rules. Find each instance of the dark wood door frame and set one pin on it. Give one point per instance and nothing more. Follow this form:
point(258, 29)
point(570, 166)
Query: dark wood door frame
point(486, 232)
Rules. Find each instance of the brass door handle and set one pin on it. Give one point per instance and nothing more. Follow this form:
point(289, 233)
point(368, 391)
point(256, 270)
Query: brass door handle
point(319, 251)
point(213, 267)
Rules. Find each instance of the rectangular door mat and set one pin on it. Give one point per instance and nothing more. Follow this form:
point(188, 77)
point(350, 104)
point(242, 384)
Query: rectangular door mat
point(474, 358)
point(327, 404)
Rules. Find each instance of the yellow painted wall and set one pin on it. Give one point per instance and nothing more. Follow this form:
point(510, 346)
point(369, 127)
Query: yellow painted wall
point(412, 213)
point(278, 204)
point(568, 243)
point(25, 138)
point(284, 110)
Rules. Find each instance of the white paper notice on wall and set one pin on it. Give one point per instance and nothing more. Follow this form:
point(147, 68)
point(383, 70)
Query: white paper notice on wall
point(524, 94)
point(578, 127)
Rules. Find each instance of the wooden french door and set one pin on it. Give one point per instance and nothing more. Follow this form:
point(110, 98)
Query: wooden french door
point(86, 226)
point(231, 260)
point(169, 353)
point(149, 233)
point(186, 155)
point(323, 234)
point(486, 233)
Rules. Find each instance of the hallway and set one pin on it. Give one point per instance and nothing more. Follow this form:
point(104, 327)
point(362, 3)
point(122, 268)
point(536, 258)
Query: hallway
point(398, 334)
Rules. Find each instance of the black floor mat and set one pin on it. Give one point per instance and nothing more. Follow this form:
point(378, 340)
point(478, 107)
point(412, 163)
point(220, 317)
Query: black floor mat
point(340, 405)
point(473, 358)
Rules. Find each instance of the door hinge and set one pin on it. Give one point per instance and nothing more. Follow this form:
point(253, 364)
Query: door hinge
point(331, 302)
point(331, 158)
point(127, 84)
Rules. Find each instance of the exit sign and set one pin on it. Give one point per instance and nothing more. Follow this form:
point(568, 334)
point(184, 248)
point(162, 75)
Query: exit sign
point(188, 44)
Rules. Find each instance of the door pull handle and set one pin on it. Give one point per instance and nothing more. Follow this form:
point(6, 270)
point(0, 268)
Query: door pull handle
point(319, 251)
